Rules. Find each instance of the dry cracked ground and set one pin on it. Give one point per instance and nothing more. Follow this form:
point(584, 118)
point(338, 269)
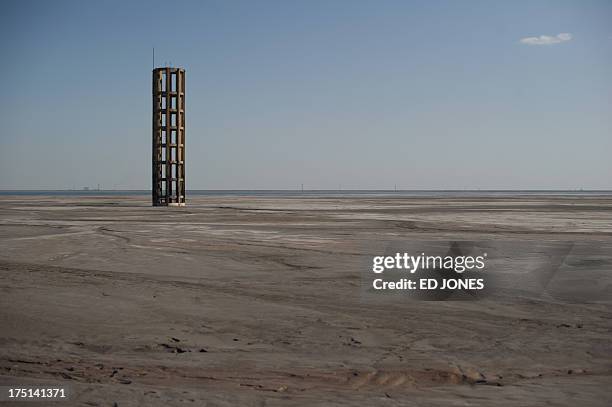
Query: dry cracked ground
point(256, 301)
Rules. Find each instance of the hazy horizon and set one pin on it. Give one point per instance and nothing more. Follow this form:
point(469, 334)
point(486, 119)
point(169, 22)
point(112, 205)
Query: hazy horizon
point(353, 95)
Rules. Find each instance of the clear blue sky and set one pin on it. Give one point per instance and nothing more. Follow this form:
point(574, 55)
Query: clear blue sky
point(363, 94)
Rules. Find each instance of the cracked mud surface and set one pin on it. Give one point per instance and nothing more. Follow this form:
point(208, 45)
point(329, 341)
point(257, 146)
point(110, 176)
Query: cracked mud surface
point(256, 301)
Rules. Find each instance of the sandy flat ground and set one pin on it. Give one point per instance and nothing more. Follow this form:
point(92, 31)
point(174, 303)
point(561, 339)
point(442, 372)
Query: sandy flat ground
point(257, 301)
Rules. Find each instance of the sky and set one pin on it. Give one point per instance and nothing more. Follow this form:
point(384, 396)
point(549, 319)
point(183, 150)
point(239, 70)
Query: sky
point(329, 94)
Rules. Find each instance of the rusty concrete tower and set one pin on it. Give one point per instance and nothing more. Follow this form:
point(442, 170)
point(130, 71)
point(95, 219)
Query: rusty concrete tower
point(168, 187)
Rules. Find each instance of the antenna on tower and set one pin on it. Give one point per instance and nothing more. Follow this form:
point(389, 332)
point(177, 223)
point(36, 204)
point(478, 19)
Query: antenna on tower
point(153, 57)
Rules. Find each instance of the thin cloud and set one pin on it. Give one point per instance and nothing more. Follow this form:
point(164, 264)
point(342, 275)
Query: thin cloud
point(546, 39)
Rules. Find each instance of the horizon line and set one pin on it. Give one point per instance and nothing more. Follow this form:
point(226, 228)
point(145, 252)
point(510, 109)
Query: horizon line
point(322, 189)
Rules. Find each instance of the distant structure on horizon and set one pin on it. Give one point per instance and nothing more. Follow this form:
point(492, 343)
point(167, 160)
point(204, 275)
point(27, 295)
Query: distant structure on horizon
point(168, 188)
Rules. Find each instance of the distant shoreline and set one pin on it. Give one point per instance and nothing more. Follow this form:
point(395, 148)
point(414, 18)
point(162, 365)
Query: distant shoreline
point(329, 193)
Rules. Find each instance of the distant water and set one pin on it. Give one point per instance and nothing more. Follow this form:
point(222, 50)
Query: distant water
point(319, 193)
